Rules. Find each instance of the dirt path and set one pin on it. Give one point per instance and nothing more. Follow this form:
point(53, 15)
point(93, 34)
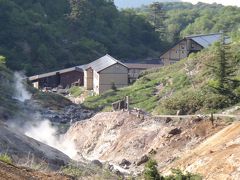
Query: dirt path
point(237, 117)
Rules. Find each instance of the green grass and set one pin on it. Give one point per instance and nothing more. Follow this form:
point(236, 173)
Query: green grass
point(6, 158)
point(76, 91)
point(185, 87)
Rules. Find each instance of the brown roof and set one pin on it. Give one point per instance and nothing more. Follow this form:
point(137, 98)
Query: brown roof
point(142, 66)
point(62, 71)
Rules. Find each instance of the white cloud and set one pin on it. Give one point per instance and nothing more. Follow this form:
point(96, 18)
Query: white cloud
point(224, 2)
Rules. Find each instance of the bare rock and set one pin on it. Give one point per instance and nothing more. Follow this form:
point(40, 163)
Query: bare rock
point(168, 120)
point(175, 131)
point(142, 160)
point(124, 163)
point(97, 163)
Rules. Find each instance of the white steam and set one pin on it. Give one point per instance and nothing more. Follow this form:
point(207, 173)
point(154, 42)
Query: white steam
point(41, 131)
point(47, 134)
point(21, 92)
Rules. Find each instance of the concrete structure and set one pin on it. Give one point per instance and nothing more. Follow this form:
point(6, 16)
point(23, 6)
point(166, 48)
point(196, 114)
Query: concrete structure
point(188, 45)
point(64, 78)
point(134, 70)
point(104, 73)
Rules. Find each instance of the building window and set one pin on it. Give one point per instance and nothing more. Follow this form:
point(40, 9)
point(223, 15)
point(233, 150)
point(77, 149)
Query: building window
point(182, 52)
point(182, 47)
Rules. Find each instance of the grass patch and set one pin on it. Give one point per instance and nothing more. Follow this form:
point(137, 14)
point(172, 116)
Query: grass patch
point(76, 91)
point(6, 158)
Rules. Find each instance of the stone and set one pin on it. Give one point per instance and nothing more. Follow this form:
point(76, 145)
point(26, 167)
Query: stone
point(97, 163)
point(142, 160)
point(175, 131)
point(124, 163)
point(168, 120)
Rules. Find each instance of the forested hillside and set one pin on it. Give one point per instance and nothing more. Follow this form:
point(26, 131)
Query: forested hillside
point(181, 19)
point(41, 35)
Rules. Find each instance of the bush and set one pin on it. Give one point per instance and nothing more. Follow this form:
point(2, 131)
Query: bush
point(2, 60)
point(150, 171)
point(177, 174)
point(6, 158)
point(72, 171)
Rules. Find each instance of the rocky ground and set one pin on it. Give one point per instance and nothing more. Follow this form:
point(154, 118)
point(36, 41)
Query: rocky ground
point(27, 151)
point(128, 141)
point(218, 157)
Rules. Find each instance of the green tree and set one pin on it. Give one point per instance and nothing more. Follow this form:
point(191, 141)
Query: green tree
point(150, 171)
point(225, 70)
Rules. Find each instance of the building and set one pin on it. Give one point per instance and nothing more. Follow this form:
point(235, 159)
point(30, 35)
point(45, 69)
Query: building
point(64, 78)
point(135, 69)
point(104, 74)
point(188, 45)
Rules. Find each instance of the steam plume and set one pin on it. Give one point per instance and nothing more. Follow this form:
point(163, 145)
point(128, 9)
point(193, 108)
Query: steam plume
point(21, 92)
point(46, 133)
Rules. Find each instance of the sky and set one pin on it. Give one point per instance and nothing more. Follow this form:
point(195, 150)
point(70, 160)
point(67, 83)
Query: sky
point(138, 3)
point(224, 2)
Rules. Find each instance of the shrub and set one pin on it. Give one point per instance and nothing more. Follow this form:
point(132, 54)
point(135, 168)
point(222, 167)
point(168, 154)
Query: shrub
point(177, 174)
point(150, 171)
point(2, 60)
point(6, 158)
point(72, 171)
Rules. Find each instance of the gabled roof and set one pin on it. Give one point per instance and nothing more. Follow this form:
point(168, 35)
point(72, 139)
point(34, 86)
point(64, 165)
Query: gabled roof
point(62, 71)
point(103, 63)
point(205, 40)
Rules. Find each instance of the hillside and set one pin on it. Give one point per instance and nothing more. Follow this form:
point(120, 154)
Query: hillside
point(181, 19)
point(8, 171)
point(193, 145)
point(39, 36)
point(184, 87)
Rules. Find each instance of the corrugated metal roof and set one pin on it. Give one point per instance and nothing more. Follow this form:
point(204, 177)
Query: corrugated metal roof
point(77, 68)
point(205, 40)
point(103, 63)
point(142, 66)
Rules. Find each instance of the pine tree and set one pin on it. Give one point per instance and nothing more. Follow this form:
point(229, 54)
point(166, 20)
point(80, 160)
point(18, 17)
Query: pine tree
point(225, 70)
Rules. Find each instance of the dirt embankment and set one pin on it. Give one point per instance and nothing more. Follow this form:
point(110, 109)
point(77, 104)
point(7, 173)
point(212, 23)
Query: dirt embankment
point(218, 157)
point(119, 136)
point(12, 172)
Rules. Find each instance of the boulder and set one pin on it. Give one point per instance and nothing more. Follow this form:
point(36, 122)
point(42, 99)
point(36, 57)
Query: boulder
point(168, 120)
point(125, 163)
point(97, 163)
point(175, 131)
point(142, 160)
